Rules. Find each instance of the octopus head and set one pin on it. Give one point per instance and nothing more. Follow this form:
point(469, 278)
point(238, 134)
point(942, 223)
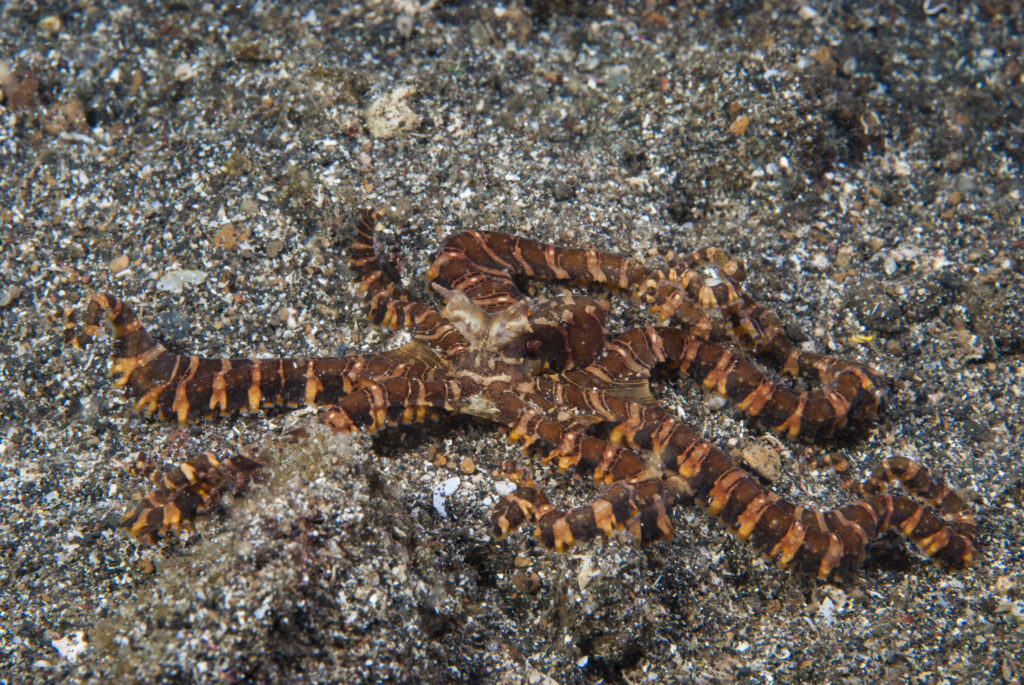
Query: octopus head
point(481, 328)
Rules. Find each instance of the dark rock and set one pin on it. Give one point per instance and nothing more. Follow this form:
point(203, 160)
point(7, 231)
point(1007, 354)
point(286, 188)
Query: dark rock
point(874, 307)
point(975, 432)
point(921, 301)
point(562, 192)
point(993, 314)
point(952, 281)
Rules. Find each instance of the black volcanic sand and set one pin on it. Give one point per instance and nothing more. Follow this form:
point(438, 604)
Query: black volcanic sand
point(204, 163)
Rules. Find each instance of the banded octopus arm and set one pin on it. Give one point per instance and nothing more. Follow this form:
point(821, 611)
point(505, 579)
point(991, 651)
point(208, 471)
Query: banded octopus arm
point(755, 327)
point(636, 498)
point(484, 266)
point(187, 388)
point(815, 413)
point(811, 413)
point(389, 304)
point(830, 544)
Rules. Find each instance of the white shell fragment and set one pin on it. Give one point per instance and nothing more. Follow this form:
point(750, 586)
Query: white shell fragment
point(174, 281)
point(504, 487)
point(442, 491)
point(389, 115)
point(71, 646)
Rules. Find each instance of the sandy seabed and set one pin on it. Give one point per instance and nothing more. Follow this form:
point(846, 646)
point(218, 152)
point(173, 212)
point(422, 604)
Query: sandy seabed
point(203, 161)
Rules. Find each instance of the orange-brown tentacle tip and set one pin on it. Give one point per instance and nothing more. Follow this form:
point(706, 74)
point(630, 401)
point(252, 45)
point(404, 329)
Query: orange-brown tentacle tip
point(339, 421)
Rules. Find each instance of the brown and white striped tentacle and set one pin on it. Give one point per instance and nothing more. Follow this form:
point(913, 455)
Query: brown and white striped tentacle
point(852, 395)
point(519, 506)
point(186, 387)
point(722, 293)
point(389, 304)
point(913, 478)
point(635, 498)
point(757, 328)
point(830, 544)
point(638, 504)
point(725, 264)
point(484, 263)
point(502, 256)
point(753, 326)
point(916, 480)
point(574, 449)
point(184, 492)
point(567, 331)
point(708, 293)
point(392, 402)
point(470, 263)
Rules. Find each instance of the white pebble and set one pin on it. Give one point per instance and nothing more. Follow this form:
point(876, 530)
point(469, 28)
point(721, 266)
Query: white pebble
point(442, 491)
point(174, 281)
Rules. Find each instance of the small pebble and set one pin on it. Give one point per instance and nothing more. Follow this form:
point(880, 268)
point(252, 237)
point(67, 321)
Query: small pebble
point(10, 295)
point(229, 237)
point(389, 115)
point(274, 248)
point(118, 264)
point(174, 281)
point(808, 13)
point(526, 583)
point(739, 125)
point(249, 206)
point(49, 25)
point(764, 461)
